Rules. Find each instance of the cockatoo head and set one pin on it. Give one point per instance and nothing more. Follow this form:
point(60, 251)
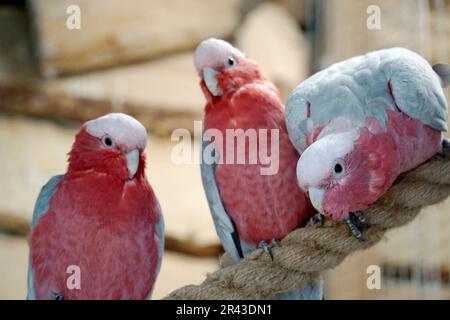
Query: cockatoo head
point(338, 174)
point(111, 144)
point(223, 68)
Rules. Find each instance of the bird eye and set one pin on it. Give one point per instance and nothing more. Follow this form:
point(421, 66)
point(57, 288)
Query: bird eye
point(338, 168)
point(230, 62)
point(107, 141)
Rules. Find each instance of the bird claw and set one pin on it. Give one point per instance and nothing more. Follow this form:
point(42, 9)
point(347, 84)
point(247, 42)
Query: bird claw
point(350, 221)
point(361, 218)
point(317, 218)
point(57, 296)
point(268, 247)
point(276, 242)
point(445, 146)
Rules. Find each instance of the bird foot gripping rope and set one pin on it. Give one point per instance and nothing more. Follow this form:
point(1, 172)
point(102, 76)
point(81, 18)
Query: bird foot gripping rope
point(307, 252)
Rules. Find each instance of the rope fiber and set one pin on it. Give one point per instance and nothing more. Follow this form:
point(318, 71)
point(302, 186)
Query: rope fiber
point(307, 252)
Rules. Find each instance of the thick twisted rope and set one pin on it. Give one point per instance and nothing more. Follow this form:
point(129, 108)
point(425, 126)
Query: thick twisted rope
point(306, 252)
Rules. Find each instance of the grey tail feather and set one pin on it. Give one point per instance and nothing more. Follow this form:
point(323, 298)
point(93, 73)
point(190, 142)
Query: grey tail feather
point(443, 71)
point(314, 291)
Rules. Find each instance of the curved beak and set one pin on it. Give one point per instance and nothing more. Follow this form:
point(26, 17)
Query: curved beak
point(209, 75)
point(316, 197)
point(132, 158)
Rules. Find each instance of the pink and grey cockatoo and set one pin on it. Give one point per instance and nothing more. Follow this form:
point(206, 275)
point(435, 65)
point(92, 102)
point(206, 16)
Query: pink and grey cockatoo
point(100, 219)
point(249, 209)
point(362, 122)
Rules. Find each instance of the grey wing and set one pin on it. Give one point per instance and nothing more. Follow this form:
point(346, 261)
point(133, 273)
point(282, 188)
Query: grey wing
point(41, 207)
point(315, 90)
point(225, 228)
point(295, 116)
point(343, 90)
point(443, 71)
point(313, 291)
point(160, 231)
point(417, 88)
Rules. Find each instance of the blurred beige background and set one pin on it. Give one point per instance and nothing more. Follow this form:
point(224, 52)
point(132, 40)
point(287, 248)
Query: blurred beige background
point(136, 57)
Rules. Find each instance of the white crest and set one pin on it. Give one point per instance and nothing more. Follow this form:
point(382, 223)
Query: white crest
point(123, 129)
point(318, 159)
point(212, 53)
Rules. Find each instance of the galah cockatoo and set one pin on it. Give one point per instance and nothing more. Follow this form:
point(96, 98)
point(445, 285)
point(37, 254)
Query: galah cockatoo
point(250, 209)
point(360, 123)
point(97, 231)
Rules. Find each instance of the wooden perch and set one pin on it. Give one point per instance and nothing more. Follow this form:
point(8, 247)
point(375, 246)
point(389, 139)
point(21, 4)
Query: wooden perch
point(123, 31)
point(307, 252)
point(31, 99)
point(12, 224)
point(191, 248)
